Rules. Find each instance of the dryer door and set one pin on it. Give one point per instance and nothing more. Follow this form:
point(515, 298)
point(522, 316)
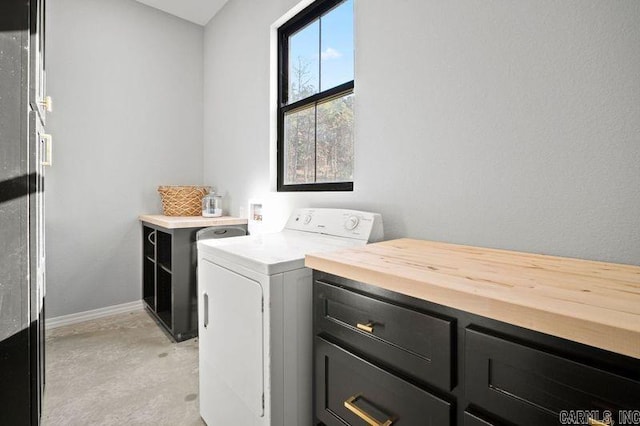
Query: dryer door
point(231, 343)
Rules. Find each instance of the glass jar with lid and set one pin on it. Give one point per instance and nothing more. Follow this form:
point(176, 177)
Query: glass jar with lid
point(212, 205)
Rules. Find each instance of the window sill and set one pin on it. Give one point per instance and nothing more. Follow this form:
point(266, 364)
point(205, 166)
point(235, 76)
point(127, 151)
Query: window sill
point(316, 187)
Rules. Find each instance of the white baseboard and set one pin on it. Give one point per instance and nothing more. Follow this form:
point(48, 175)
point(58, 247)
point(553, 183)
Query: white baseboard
point(93, 314)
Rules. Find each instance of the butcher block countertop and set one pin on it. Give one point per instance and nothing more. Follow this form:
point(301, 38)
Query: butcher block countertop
point(173, 222)
point(594, 303)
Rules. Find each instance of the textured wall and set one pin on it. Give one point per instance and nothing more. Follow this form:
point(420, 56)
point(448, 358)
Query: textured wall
point(127, 87)
point(504, 124)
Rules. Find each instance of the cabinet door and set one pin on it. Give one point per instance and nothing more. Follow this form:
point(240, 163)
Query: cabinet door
point(350, 390)
point(230, 327)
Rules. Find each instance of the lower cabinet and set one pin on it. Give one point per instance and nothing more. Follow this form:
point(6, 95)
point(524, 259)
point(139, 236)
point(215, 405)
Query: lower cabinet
point(382, 358)
point(169, 278)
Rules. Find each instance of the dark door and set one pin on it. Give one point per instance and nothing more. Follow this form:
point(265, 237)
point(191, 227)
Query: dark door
point(22, 153)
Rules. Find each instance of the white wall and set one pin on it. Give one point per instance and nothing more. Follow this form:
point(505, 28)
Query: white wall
point(127, 86)
point(505, 124)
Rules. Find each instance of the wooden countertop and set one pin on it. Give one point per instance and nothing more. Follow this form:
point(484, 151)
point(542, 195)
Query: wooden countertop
point(173, 222)
point(594, 303)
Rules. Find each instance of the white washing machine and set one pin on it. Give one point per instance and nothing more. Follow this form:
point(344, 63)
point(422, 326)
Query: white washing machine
point(255, 317)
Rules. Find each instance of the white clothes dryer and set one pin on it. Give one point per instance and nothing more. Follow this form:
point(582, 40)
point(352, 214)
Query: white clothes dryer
point(255, 317)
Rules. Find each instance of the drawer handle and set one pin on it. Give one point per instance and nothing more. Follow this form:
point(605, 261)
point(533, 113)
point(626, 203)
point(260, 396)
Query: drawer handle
point(368, 327)
point(368, 418)
point(594, 422)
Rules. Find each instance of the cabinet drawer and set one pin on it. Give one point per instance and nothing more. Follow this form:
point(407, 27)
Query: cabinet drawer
point(348, 389)
point(411, 342)
point(528, 386)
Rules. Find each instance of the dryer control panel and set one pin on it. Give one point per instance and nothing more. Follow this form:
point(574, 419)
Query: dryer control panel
point(355, 224)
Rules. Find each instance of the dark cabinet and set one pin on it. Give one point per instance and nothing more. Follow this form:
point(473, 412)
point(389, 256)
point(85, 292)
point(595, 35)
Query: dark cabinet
point(169, 288)
point(169, 280)
point(382, 356)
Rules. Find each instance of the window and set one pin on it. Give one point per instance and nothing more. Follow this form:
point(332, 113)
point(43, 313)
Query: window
point(315, 99)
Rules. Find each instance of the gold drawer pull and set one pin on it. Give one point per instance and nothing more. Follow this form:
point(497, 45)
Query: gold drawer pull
point(595, 422)
point(349, 404)
point(368, 327)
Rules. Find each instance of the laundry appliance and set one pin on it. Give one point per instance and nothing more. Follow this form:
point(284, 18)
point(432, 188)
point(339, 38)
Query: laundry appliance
point(255, 317)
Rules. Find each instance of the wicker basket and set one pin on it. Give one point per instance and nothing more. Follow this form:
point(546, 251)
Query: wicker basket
point(182, 200)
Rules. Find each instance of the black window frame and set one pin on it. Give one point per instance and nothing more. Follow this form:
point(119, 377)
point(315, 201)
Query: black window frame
point(306, 16)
